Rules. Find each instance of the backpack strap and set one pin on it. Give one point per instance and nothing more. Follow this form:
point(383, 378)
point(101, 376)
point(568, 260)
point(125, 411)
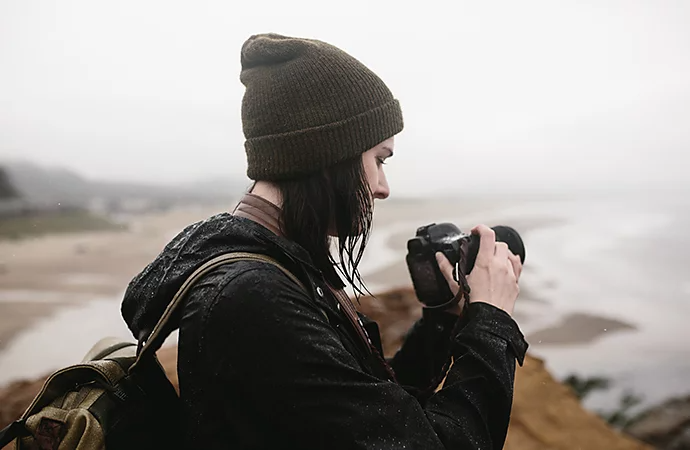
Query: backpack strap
point(13, 431)
point(158, 335)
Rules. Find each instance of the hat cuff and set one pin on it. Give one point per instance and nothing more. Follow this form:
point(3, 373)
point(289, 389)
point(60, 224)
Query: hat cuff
point(302, 152)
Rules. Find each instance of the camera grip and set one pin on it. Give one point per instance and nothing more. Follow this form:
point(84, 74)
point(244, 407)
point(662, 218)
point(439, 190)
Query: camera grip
point(429, 283)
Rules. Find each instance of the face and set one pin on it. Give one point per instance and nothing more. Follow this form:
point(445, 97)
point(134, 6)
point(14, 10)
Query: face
point(373, 161)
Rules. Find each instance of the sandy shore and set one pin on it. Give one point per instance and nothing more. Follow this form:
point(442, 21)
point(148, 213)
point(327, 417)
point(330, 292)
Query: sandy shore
point(68, 278)
point(40, 276)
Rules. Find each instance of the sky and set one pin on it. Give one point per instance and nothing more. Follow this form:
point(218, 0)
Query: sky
point(496, 95)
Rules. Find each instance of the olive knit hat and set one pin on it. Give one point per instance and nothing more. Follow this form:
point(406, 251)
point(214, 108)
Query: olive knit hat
point(309, 105)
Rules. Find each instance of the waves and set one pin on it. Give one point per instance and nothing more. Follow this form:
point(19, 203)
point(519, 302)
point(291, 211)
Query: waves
point(622, 261)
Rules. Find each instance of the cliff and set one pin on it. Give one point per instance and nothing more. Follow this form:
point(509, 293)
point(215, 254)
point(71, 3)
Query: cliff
point(546, 414)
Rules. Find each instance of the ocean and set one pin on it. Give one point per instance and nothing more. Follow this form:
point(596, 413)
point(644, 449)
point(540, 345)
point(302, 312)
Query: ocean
point(626, 259)
point(623, 259)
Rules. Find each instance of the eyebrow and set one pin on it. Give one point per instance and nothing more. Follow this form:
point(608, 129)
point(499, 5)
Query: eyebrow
point(390, 151)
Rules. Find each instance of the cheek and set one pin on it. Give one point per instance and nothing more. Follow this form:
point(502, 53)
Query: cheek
point(372, 173)
point(382, 177)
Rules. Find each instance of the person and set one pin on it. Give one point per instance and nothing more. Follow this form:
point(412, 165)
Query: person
point(266, 363)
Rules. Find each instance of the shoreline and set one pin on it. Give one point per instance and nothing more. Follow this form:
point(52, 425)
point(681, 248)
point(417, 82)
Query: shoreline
point(69, 268)
point(51, 283)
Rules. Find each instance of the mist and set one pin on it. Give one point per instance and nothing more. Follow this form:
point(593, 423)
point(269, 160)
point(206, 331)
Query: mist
point(497, 96)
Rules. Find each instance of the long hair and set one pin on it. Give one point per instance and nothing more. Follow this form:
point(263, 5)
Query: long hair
point(336, 202)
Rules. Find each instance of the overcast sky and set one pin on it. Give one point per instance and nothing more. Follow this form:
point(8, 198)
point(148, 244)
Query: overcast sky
point(532, 93)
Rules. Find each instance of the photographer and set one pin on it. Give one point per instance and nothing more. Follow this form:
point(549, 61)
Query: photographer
point(265, 362)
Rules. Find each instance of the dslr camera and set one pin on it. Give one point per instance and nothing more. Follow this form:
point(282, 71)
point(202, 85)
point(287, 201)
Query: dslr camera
point(461, 250)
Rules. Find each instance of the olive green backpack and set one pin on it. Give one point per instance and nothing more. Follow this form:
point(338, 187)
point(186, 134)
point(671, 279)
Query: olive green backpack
point(119, 396)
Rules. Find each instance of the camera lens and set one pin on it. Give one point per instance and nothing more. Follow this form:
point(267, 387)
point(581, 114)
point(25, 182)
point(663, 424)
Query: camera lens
point(503, 234)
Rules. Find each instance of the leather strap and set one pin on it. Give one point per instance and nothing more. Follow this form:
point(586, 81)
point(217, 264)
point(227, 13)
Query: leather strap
point(16, 429)
point(350, 312)
point(260, 211)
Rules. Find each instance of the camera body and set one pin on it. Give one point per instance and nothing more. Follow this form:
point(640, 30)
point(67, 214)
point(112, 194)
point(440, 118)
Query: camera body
point(461, 250)
point(429, 283)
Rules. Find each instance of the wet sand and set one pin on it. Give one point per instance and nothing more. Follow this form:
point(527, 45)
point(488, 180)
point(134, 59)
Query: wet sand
point(577, 329)
point(40, 276)
point(43, 279)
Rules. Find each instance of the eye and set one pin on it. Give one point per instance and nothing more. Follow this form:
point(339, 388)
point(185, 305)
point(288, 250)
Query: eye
point(381, 161)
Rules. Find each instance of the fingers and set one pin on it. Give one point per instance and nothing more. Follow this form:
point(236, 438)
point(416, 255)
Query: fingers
point(488, 248)
point(447, 270)
point(513, 262)
point(501, 249)
point(487, 244)
point(516, 263)
point(445, 266)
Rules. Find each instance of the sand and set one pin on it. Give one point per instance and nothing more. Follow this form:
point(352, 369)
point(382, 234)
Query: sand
point(41, 278)
point(577, 329)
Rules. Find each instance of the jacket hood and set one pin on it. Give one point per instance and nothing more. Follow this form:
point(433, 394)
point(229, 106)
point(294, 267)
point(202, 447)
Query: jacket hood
point(150, 292)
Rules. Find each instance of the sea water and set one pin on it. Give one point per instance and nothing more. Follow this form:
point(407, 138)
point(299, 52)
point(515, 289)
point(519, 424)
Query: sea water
point(619, 258)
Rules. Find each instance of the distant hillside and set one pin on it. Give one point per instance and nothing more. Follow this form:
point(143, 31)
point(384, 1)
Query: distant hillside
point(7, 190)
point(38, 184)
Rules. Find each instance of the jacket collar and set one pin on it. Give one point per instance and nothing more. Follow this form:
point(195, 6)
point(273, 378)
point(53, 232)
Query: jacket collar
point(260, 211)
point(265, 218)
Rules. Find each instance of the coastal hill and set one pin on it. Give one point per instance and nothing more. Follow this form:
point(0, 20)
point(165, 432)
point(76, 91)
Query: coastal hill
point(7, 189)
point(41, 185)
point(37, 200)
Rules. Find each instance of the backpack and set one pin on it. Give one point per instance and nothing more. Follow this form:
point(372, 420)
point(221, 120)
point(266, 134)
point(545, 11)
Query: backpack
point(119, 396)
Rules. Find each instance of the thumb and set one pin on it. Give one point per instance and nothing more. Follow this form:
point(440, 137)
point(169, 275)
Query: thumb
point(445, 266)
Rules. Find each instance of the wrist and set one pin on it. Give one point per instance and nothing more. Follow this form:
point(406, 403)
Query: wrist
point(507, 310)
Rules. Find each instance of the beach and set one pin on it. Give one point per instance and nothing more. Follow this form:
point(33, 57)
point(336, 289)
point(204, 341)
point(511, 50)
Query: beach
point(60, 294)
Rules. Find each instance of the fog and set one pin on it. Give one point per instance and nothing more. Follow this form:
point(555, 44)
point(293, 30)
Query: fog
point(497, 95)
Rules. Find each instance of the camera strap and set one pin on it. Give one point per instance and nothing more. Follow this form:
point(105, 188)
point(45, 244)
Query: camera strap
point(463, 294)
point(346, 306)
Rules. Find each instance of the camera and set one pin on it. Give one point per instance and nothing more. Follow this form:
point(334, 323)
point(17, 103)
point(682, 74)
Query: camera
point(461, 250)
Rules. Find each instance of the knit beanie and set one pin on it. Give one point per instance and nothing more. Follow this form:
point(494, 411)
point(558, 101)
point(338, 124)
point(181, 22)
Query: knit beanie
point(309, 105)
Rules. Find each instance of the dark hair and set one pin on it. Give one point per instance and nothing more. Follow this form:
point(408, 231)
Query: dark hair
point(336, 201)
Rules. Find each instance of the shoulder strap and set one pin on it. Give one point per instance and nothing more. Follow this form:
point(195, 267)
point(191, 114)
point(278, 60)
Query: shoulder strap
point(13, 431)
point(158, 335)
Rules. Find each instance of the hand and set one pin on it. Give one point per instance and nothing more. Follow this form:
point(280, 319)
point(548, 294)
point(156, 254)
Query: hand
point(494, 278)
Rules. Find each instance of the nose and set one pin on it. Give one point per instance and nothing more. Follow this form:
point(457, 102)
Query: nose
point(382, 190)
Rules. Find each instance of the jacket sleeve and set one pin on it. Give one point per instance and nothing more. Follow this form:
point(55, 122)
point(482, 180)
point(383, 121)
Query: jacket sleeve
point(425, 350)
point(296, 372)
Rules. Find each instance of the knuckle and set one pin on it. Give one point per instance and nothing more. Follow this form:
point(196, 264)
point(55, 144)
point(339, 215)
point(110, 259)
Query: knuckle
point(484, 230)
point(483, 264)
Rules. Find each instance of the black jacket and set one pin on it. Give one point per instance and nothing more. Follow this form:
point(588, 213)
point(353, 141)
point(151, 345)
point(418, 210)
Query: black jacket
point(261, 367)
